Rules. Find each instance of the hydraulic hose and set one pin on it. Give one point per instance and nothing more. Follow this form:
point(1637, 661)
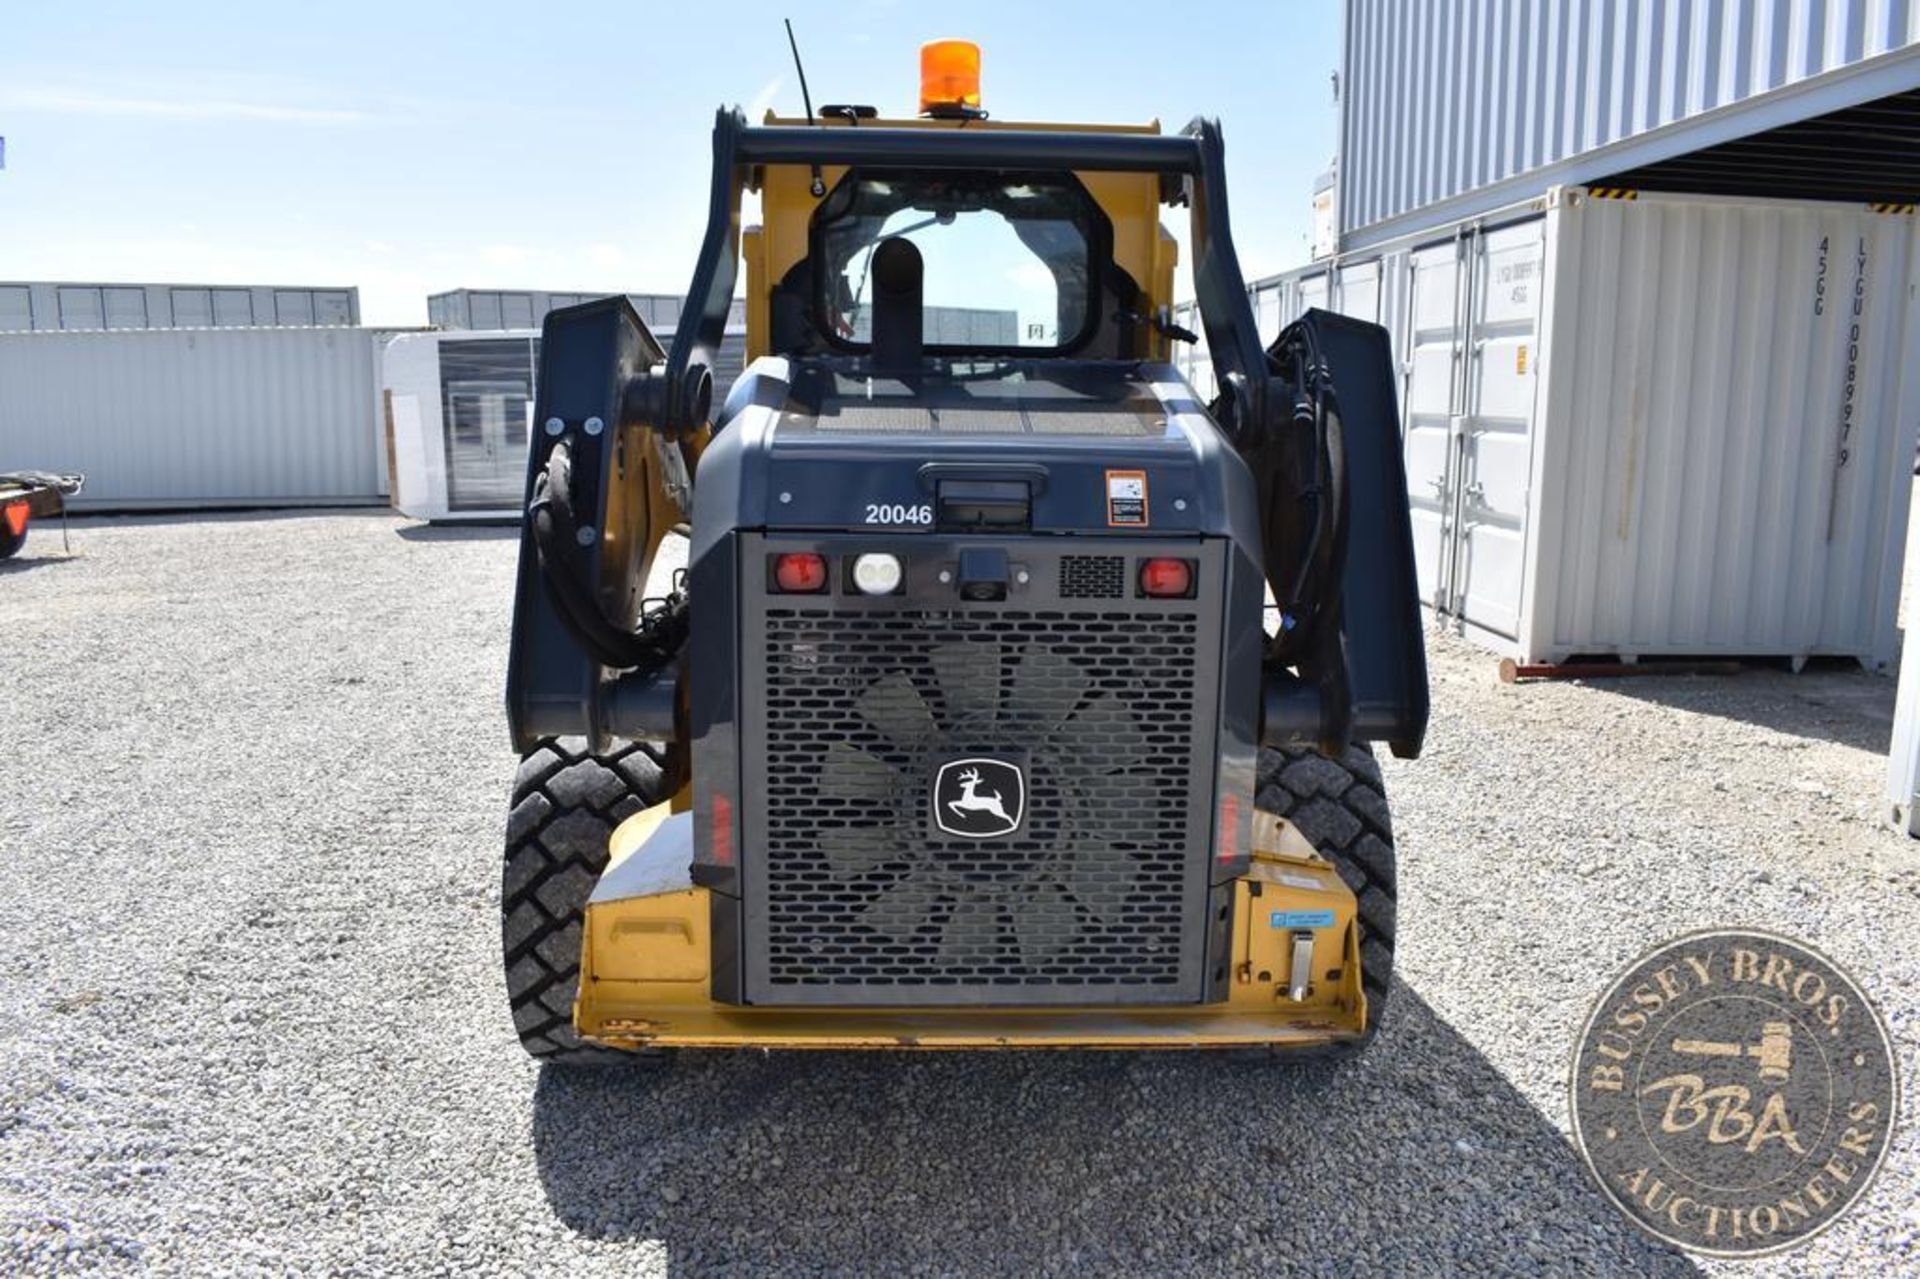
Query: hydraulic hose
point(661, 631)
point(1320, 458)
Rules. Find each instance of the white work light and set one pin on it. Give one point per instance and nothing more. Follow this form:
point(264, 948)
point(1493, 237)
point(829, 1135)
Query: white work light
point(876, 574)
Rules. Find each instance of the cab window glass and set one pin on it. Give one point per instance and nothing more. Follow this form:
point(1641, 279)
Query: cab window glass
point(1007, 257)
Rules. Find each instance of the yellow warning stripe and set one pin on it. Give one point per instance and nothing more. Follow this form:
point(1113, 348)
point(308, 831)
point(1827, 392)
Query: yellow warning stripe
point(1878, 207)
point(1613, 193)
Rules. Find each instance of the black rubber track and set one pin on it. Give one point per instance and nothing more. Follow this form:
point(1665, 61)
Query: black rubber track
point(1341, 806)
point(566, 802)
point(9, 544)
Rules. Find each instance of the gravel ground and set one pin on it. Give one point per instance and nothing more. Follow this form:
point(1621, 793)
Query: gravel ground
point(251, 1015)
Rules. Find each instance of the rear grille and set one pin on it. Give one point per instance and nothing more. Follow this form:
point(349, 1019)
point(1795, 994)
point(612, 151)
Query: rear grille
point(1093, 577)
point(861, 899)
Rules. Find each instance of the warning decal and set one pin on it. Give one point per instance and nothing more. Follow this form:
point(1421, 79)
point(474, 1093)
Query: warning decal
point(1127, 499)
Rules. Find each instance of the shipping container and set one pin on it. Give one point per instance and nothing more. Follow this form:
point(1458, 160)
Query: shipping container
point(955, 326)
point(496, 309)
point(1654, 426)
point(197, 418)
point(56, 307)
point(459, 408)
point(1903, 751)
point(483, 310)
point(1453, 108)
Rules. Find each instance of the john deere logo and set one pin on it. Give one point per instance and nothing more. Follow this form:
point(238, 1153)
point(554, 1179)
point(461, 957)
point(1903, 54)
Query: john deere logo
point(1733, 1093)
point(979, 798)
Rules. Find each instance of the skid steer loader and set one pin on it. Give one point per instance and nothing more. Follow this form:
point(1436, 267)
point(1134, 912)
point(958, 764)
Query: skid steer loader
point(1010, 696)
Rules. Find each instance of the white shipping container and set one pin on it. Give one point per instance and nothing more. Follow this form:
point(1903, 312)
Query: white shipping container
point(1660, 426)
point(197, 418)
point(63, 306)
point(495, 309)
point(1453, 108)
point(459, 408)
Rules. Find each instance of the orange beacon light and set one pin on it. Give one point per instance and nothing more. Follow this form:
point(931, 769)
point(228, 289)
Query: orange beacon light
point(950, 79)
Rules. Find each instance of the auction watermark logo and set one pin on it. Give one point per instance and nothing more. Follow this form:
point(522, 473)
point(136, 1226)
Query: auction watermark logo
point(1734, 1093)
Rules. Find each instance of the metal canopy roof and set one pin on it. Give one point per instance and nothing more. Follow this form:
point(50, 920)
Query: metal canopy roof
point(1867, 153)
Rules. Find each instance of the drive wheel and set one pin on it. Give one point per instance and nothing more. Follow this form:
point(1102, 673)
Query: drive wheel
point(566, 802)
point(1340, 805)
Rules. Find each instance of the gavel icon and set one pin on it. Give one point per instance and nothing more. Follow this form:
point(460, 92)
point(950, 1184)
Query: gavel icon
point(1774, 1051)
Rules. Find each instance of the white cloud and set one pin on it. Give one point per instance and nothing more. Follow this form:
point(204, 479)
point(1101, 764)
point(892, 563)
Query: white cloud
point(177, 108)
point(506, 254)
point(607, 255)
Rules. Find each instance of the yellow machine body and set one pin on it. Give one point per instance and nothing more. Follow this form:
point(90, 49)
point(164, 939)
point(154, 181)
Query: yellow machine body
point(645, 962)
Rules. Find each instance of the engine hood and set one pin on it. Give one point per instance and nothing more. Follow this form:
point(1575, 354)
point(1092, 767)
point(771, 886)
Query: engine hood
point(1114, 448)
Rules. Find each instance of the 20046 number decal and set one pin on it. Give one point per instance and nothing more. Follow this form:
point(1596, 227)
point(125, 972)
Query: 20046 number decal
point(895, 513)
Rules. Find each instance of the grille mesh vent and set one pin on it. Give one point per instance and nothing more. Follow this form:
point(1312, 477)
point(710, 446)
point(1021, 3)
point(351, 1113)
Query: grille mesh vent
point(1093, 577)
point(862, 891)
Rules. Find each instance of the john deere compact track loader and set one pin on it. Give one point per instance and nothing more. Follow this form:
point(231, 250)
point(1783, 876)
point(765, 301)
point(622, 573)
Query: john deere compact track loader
point(1010, 695)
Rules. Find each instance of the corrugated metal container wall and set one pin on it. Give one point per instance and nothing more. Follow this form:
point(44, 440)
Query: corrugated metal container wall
point(495, 309)
point(1728, 401)
point(1650, 427)
point(196, 418)
point(1444, 98)
point(1361, 290)
point(43, 307)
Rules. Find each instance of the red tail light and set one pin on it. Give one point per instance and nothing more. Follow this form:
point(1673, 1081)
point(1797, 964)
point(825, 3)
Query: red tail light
point(800, 573)
point(16, 513)
point(1167, 578)
point(1229, 842)
point(722, 830)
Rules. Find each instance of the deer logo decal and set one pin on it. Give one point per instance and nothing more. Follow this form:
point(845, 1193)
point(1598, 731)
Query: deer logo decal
point(979, 798)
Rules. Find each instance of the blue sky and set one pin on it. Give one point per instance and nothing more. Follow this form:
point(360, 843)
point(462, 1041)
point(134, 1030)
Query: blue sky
point(409, 148)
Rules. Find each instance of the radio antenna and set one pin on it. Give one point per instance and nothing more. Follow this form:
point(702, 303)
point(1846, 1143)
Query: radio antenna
point(819, 187)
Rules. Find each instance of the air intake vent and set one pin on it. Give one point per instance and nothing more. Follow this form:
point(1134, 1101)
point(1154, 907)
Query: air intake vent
point(861, 897)
point(1093, 577)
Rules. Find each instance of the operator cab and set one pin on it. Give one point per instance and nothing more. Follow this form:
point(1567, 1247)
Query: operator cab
point(956, 299)
point(1003, 263)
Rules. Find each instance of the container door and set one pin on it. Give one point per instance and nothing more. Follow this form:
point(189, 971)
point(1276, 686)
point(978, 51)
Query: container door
point(487, 444)
point(232, 308)
point(293, 307)
point(1360, 292)
point(1433, 345)
point(16, 309)
point(1266, 315)
point(1315, 291)
point(332, 308)
point(1496, 431)
point(487, 387)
